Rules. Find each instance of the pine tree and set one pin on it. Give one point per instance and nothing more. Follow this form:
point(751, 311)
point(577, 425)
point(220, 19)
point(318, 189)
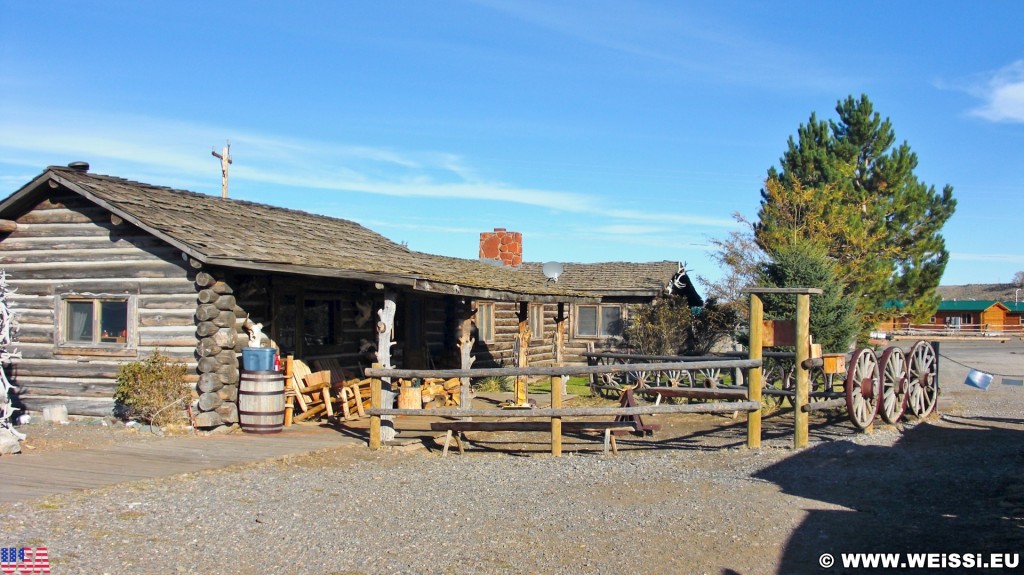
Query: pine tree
point(878, 222)
point(803, 263)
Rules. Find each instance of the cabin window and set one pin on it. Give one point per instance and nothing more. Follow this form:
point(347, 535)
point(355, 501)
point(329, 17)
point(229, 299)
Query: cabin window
point(286, 320)
point(320, 318)
point(599, 321)
point(536, 321)
point(485, 322)
point(95, 322)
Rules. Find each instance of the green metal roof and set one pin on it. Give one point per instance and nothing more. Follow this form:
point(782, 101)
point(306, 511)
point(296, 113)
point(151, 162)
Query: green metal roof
point(1015, 306)
point(978, 305)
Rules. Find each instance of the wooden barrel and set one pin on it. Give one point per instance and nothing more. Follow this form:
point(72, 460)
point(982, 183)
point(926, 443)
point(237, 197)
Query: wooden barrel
point(261, 401)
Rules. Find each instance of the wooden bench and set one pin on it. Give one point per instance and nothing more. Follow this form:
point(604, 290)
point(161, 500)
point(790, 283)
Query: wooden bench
point(458, 428)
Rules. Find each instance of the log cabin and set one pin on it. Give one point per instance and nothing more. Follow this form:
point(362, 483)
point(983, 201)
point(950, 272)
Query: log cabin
point(595, 325)
point(972, 315)
point(963, 317)
point(106, 271)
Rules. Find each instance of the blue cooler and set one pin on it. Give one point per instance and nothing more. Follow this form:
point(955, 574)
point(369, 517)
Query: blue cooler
point(258, 358)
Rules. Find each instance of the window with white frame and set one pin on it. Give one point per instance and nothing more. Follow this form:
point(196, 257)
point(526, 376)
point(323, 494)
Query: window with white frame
point(599, 321)
point(485, 322)
point(536, 318)
point(95, 321)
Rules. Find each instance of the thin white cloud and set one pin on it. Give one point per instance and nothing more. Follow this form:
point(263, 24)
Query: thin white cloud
point(125, 145)
point(682, 37)
point(1002, 92)
point(629, 229)
point(986, 257)
point(390, 224)
point(680, 219)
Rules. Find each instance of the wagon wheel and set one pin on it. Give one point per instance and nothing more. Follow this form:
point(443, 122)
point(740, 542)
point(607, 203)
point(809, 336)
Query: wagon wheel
point(823, 385)
point(862, 388)
point(677, 377)
point(612, 380)
point(686, 379)
point(640, 378)
point(606, 382)
point(892, 402)
point(775, 375)
point(712, 377)
point(922, 381)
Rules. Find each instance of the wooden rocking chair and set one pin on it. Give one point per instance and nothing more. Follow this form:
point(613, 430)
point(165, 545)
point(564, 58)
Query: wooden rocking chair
point(312, 391)
point(354, 397)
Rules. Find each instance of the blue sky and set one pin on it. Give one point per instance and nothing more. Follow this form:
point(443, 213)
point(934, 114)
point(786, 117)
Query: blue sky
point(600, 130)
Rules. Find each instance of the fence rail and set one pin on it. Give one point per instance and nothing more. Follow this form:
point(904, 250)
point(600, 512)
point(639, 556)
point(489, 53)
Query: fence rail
point(747, 403)
point(962, 330)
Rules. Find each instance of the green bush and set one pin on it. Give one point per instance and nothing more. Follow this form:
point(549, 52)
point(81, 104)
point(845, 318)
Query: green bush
point(153, 391)
point(802, 263)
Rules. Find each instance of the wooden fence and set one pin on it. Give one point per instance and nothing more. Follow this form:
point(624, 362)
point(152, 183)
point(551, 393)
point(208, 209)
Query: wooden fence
point(556, 412)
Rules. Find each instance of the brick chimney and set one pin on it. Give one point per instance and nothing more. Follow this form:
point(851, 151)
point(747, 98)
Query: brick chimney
point(501, 247)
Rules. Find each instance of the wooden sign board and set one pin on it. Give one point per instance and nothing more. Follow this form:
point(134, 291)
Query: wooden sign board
point(778, 333)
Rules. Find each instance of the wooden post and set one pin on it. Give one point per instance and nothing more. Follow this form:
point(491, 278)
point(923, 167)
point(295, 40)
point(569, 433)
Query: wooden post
point(225, 160)
point(289, 393)
point(466, 343)
point(385, 339)
point(803, 348)
point(560, 321)
point(375, 395)
point(754, 383)
point(556, 422)
point(521, 398)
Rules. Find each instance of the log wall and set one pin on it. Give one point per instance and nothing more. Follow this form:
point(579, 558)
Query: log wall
point(67, 246)
point(541, 351)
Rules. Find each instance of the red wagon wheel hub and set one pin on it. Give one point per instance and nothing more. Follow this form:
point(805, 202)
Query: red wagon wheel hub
point(867, 387)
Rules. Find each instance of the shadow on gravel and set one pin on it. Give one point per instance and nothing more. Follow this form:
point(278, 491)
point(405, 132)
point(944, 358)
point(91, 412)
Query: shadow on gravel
point(777, 428)
point(954, 488)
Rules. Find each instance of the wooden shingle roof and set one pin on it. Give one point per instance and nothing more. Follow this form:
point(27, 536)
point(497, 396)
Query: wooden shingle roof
point(629, 279)
point(247, 235)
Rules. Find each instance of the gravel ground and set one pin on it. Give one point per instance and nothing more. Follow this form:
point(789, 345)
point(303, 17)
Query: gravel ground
point(690, 500)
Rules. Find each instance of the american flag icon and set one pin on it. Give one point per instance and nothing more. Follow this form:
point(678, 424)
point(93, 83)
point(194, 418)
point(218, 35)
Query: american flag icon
point(24, 560)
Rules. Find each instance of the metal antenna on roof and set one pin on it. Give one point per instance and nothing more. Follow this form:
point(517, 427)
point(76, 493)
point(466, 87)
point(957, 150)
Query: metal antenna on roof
point(225, 159)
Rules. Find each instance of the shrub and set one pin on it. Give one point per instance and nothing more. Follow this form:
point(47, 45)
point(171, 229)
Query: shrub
point(153, 391)
point(834, 320)
point(495, 383)
point(659, 328)
point(669, 327)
